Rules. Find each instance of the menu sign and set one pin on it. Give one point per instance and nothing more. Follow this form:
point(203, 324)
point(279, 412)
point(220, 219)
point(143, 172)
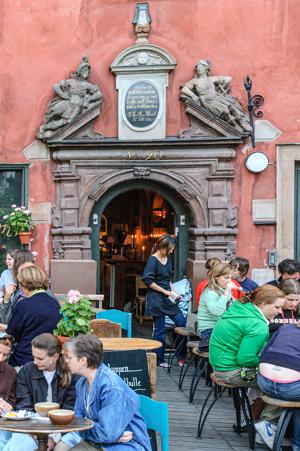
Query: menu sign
point(141, 104)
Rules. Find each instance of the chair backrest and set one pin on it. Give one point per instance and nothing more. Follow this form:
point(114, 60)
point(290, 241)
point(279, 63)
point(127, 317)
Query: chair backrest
point(103, 328)
point(156, 416)
point(191, 321)
point(117, 316)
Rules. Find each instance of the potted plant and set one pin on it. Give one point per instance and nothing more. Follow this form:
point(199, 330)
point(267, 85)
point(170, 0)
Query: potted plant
point(19, 222)
point(77, 313)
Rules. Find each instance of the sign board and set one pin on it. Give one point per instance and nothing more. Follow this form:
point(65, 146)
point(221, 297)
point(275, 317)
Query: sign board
point(141, 104)
point(132, 367)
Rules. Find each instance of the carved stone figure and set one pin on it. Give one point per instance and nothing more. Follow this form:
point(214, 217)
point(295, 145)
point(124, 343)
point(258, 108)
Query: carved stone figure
point(213, 94)
point(142, 21)
point(143, 59)
point(73, 97)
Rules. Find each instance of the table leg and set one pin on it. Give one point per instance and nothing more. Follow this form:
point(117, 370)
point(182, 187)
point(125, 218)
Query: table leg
point(42, 442)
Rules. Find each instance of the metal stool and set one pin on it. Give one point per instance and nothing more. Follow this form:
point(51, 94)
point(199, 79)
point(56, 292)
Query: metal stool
point(286, 414)
point(202, 368)
point(240, 400)
point(190, 358)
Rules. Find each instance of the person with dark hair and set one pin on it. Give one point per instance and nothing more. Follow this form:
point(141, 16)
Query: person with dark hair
point(7, 375)
point(39, 313)
point(241, 267)
point(288, 269)
point(46, 379)
point(240, 335)
point(290, 310)
point(279, 377)
point(102, 396)
point(13, 292)
point(6, 278)
point(161, 301)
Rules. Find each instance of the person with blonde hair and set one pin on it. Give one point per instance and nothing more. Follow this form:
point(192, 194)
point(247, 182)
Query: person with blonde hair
point(215, 299)
point(38, 313)
point(241, 334)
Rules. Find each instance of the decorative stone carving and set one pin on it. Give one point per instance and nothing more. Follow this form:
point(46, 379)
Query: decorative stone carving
point(74, 97)
point(186, 191)
point(213, 94)
point(232, 218)
point(55, 217)
point(143, 59)
point(142, 21)
point(58, 253)
point(141, 173)
point(230, 254)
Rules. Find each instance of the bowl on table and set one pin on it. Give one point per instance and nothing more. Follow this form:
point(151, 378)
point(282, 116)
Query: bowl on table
point(61, 416)
point(42, 408)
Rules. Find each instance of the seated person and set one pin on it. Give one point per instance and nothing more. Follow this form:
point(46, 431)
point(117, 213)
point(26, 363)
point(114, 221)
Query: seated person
point(7, 375)
point(279, 377)
point(240, 335)
point(209, 264)
point(47, 378)
point(105, 398)
point(215, 299)
point(241, 265)
point(38, 314)
point(290, 309)
point(288, 269)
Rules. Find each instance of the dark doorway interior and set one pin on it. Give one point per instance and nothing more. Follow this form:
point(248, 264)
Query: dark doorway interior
point(130, 225)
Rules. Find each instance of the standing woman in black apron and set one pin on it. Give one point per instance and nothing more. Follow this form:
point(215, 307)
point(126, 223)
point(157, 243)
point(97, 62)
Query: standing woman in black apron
point(157, 277)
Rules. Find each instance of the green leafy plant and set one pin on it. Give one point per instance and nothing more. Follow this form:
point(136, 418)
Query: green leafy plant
point(18, 220)
point(77, 313)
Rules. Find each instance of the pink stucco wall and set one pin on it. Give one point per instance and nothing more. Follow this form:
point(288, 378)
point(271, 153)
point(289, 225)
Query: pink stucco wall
point(42, 41)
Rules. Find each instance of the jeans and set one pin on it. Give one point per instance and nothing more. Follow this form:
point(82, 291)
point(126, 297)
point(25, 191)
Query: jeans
point(205, 334)
point(160, 332)
point(287, 392)
point(14, 441)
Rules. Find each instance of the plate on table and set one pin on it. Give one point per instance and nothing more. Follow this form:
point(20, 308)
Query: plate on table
point(18, 416)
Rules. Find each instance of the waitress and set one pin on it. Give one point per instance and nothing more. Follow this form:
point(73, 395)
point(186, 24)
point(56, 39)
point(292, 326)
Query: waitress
point(157, 278)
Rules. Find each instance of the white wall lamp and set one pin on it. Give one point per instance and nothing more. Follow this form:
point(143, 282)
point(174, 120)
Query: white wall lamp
point(257, 162)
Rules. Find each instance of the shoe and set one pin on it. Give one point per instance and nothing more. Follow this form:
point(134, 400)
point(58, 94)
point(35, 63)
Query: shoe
point(258, 439)
point(164, 365)
point(266, 431)
point(243, 426)
point(181, 363)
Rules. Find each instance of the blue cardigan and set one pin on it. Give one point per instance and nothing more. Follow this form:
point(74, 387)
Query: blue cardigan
point(284, 348)
point(31, 317)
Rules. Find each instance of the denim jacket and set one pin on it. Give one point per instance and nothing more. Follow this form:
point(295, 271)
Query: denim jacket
point(114, 408)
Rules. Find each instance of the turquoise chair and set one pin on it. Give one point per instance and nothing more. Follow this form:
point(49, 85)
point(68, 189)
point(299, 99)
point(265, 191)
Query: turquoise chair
point(156, 415)
point(117, 316)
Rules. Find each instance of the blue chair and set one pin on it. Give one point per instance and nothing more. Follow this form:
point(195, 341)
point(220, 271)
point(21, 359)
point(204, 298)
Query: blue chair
point(156, 416)
point(117, 316)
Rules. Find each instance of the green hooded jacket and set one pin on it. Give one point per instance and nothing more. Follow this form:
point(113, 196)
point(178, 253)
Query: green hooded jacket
point(238, 338)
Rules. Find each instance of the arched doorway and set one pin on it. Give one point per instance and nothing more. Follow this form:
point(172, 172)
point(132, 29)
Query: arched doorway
point(125, 223)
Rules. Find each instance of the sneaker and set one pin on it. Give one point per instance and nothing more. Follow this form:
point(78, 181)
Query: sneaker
point(164, 365)
point(266, 431)
point(181, 363)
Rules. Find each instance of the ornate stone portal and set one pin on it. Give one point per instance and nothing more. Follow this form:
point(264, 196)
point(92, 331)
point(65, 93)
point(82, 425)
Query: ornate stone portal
point(197, 171)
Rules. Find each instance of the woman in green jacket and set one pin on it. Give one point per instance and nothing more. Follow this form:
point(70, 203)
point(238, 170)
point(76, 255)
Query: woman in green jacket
point(215, 299)
point(241, 334)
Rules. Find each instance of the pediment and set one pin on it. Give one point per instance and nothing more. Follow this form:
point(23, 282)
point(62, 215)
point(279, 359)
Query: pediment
point(207, 125)
point(81, 127)
point(143, 58)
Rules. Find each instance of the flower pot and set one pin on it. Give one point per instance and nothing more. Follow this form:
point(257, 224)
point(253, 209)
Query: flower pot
point(62, 339)
point(24, 237)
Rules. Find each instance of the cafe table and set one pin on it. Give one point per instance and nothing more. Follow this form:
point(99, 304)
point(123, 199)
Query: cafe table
point(129, 344)
point(42, 429)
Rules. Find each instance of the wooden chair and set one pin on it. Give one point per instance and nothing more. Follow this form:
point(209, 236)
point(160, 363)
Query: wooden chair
point(288, 407)
point(103, 328)
point(140, 298)
point(117, 316)
point(240, 401)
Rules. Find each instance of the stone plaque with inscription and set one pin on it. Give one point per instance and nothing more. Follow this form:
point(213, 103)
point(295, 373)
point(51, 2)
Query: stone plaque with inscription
point(142, 104)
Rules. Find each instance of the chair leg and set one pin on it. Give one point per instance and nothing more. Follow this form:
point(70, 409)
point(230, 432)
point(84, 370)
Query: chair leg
point(172, 354)
point(196, 380)
point(201, 423)
point(248, 417)
point(237, 405)
point(184, 369)
point(285, 417)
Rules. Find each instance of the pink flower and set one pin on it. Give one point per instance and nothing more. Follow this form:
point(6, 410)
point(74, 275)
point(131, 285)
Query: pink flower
point(73, 296)
point(18, 209)
point(13, 206)
point(22, 207)
point(35, 253)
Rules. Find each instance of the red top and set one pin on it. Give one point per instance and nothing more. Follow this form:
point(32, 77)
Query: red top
point(202, 285)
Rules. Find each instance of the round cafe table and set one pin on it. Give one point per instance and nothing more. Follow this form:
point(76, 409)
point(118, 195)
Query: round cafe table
point(41, 429)
point(129, 344)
